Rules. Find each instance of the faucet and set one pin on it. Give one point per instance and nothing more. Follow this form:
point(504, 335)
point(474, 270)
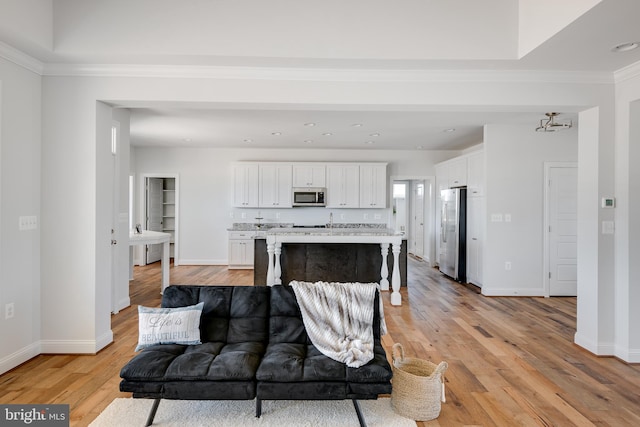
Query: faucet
point(330, 219)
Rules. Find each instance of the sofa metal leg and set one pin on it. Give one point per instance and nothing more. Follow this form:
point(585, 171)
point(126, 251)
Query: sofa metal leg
point(152, 414)
point(258, 407)
point(359, 413)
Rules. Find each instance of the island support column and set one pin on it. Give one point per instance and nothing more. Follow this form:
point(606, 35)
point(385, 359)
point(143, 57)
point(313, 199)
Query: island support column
point(396, 298)
point(270, 273)
point(384, 271)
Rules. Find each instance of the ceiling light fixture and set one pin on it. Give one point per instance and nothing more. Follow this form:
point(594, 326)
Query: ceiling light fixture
point(310, 124)
point(550, 125)
point(248, 140)
point(276, 133)
point(374, 134)
point(370, 142)
point(625, 47)
point(357, 125)
point(449, 130)
point(308, 141)
point(327, 134)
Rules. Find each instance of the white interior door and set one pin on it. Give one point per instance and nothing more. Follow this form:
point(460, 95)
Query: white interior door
point(562, 219)
point(154, 216)
point(115, 205)
point(418, 218)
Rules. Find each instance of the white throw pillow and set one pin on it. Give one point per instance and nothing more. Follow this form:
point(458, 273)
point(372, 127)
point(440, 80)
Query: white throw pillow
point(180, 325)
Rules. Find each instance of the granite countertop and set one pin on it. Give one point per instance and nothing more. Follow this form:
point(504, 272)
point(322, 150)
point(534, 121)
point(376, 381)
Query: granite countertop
point(354, 227)
point(335, 231)
point(248, 226)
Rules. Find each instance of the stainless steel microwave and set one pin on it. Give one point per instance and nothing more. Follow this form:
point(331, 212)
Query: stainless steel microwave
point(309, 196)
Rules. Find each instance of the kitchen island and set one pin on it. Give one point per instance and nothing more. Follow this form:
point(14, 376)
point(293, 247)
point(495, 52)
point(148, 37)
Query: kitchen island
point(331, 254)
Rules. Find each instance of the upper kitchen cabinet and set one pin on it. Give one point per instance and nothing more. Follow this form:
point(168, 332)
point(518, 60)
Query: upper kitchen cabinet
point(245, 185)
point(458, 173)
point(275, 185)
point(343, 185)
point(373, 185)
point(475, 174)
point(309, 175)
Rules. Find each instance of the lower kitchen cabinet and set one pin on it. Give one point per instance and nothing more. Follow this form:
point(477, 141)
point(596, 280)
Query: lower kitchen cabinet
point(241, 249)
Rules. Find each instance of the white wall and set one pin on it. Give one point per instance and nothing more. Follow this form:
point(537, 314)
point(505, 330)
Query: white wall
point(627, 230)
point(20, 134)
point(515, 157)
point(206, 182)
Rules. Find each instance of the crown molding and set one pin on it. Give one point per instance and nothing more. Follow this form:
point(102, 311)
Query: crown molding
point(20, 58)
point(313, 74)
point(321, 74)
point(628, 72)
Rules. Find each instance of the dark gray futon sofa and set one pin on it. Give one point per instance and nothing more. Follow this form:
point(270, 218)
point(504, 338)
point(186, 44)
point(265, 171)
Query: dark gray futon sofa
point(254, 346)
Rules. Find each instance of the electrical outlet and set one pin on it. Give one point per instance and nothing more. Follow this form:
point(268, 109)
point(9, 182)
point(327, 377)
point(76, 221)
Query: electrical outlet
point(9, 310)
point(507, 265)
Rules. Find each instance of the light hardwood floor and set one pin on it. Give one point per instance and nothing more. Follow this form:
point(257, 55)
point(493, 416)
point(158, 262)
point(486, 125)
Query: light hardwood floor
point(511, 360)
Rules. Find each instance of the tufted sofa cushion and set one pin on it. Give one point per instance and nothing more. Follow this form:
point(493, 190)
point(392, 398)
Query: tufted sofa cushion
point(234, 335)
point(291, 357)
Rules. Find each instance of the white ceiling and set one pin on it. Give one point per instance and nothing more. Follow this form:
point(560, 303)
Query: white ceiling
point(535, 35)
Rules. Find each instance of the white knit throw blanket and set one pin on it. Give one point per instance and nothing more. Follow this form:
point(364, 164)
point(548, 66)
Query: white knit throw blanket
point(338, 318)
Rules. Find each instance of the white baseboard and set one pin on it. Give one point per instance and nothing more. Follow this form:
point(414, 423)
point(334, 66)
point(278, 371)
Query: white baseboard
point(599, 349)
point(104, 340)
point(123, 303)
point(19, 357)
point(76, 346)
point(203, 262)
point(512, 292)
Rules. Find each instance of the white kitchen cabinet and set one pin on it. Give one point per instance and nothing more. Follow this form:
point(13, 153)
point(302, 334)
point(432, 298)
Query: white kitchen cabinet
point(373, 185)
point(245, 185)
point(309, 175)
point(241, 249)
point(458, 172)
point(343, 185)
point(475, 239)
point(275, 185)
point(475, 174)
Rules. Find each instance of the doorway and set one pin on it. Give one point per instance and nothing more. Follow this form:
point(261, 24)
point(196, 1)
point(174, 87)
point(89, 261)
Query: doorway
point(159, 207)
point(413, 214)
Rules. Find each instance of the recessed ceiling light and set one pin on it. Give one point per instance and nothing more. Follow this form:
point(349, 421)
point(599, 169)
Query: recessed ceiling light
point(248, 140)
point(327, 134)
point(370, 142)
point(357, 125)
point(310, 124)
point(308, 141)
point(449, 130)
point(375, 134)
point(625, 47)
point(276, 133)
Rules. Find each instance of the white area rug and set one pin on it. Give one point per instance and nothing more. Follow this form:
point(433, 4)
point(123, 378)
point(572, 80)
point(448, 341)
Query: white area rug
point(232, 413)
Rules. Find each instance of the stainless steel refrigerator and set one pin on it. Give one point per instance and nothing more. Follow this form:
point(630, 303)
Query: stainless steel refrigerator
point(453, 233)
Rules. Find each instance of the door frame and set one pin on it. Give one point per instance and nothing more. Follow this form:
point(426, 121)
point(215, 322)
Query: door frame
point(429, 185)
point(143, 213)
point(546, 223)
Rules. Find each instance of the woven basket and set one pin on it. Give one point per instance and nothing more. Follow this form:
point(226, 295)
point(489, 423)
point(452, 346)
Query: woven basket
point(418, 386)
